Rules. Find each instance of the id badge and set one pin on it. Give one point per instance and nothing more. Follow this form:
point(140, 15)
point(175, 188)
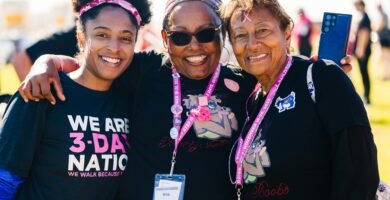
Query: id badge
point(169, 188)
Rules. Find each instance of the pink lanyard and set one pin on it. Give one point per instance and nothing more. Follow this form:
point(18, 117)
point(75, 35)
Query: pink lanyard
point(243, 145)
point(176, 131)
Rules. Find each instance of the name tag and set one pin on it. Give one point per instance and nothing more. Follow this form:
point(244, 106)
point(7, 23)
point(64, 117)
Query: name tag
point(169, 188)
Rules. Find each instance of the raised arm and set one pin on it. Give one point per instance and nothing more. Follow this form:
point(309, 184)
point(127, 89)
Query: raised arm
point(43, 74)
point(22, 64)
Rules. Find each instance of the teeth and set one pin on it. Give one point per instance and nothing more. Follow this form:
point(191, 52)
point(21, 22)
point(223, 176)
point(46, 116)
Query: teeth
point(196, 58)
point(111, 60)
point(257, 57)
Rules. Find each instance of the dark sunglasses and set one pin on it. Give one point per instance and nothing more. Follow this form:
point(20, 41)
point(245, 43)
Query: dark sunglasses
point(181, 38)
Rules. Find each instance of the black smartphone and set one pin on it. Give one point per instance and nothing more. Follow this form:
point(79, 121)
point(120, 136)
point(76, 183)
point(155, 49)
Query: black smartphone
point(334, 36)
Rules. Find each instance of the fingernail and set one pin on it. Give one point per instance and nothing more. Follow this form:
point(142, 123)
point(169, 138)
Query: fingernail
point(36, 100)
point(25, 100)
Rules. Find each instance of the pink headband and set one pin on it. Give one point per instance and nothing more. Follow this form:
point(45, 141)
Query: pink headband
point(122, 3)
point(172, 3)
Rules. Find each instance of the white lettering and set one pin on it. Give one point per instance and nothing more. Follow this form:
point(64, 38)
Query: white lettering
point(107, 158)
point(94, 123)
point(127, 125)
point(109, 125)
point(119, 124)
point(122, 162)
point(78, 122)
point(93, 163)
point(74, 162)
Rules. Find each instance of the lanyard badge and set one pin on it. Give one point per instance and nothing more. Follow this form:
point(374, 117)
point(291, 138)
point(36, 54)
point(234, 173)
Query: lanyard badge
point(171, 186)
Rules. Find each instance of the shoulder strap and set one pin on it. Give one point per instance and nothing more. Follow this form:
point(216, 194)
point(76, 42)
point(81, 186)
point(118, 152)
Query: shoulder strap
point(310, 83)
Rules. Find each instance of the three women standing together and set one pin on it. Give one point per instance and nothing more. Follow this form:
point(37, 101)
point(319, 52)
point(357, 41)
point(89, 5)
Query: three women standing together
point(188, 108)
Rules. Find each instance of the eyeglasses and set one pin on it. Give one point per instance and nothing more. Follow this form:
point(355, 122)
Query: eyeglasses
point(181, 38)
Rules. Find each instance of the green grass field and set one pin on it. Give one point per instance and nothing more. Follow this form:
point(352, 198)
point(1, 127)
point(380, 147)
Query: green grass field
point(378, 112)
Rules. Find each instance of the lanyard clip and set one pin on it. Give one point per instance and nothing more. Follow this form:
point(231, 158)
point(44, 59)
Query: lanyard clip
point(173, 161)
point(239, 193)
point(239, 188)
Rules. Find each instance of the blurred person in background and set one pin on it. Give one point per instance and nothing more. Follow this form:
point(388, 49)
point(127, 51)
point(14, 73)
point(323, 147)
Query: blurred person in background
point(384, 41)
point(303, 33)
point(363, 47)
point(78, 148)
point(61, 43)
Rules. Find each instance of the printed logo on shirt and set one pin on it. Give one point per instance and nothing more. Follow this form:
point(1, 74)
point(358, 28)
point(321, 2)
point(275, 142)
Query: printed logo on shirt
point(222, 121)
point(287, 103)
point(191, 146)
point(255, 160)
point(99, 146)
point(264, 190)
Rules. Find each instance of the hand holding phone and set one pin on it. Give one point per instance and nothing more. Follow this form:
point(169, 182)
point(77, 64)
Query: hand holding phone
point(334, 36)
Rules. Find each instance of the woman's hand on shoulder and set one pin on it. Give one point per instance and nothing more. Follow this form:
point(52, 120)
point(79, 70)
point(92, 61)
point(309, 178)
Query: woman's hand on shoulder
point(43, 74)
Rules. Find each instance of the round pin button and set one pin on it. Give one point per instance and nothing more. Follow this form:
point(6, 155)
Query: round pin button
point(174, 133)
point(176, 109)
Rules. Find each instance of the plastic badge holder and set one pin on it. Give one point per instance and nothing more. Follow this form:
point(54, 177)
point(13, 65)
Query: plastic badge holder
point(169, 187)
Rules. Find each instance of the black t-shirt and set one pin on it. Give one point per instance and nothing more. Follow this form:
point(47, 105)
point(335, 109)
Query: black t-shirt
point(74, 150)
point(302, 138)
point(365, 23)
point(62, 43)
point(203, 153)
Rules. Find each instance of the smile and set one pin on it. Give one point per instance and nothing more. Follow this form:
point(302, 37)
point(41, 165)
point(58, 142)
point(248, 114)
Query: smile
point(257, 58)
point(111, 60)
point(196, 60)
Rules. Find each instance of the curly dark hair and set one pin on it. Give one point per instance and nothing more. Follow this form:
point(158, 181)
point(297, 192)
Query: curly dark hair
point(143, 7)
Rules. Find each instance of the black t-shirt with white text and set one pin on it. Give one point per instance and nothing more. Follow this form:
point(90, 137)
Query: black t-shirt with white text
point(76, 149)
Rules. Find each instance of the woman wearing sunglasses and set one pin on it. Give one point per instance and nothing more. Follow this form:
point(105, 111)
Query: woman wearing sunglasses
point(184, 93)
point(187, 107)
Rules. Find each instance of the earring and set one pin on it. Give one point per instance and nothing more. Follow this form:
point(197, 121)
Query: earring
point(290, 50)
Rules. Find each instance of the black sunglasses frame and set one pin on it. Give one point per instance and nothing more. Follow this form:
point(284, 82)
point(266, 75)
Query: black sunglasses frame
point(190, 35)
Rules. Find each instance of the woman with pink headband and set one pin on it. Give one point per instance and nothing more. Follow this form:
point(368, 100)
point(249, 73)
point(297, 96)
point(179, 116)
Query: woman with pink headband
point(78, 148)
point(187, 108)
